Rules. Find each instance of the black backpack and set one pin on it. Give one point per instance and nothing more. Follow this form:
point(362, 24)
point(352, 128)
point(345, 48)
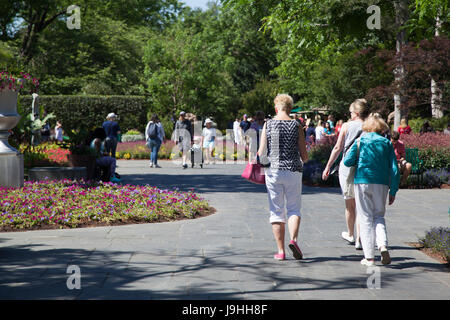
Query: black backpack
point(152, 131)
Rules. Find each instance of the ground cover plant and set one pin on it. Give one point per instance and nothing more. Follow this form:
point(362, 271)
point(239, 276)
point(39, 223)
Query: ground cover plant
point(438, 241)
point(70, 204)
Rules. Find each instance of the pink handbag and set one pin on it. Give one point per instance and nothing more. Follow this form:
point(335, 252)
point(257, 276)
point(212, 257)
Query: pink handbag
point(254, 172)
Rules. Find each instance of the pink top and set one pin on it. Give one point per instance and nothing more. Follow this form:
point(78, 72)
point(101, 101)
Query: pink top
point(406, 130)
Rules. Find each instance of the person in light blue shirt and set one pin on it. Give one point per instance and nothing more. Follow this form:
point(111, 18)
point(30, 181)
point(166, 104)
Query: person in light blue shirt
point(154, 135)
point(376, 175)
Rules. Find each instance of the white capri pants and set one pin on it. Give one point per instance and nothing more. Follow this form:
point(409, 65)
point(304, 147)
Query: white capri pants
point(371, 207)
point(284, 188)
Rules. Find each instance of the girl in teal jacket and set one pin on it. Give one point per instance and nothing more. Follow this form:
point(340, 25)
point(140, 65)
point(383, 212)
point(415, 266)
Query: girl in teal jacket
point(376, 174)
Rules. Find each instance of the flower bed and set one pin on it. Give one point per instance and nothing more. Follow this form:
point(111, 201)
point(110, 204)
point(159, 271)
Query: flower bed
point(45, 154)
point(70, 204)
point(139, 150)
point(434, 148)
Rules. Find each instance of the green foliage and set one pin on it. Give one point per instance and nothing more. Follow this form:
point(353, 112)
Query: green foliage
point(435, 159)
point(260, 98)
point(89, 112)
point(438, 239)
point(321, 152)
point(439, 124)
point(132, 132)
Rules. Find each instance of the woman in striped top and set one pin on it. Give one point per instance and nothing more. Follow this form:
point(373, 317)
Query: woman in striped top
point(283, 140)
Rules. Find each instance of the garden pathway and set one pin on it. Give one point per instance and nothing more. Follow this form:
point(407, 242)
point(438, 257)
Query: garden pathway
point(227, 255)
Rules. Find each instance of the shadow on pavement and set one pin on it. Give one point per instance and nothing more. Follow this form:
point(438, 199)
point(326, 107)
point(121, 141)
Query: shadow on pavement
point(33, 272)
point(208, 183)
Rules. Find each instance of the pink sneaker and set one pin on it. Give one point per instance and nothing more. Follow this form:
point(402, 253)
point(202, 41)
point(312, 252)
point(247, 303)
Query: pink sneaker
point(279, 256)
point(296, 252)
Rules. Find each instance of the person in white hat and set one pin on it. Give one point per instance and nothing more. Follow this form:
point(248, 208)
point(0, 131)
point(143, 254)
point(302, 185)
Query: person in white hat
point(112, 131)
point(208, 138)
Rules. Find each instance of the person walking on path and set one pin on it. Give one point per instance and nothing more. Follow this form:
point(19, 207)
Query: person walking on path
point(320, 131)
point(112, 130)
point(237, 132)
point(154, 135)
point(338, 127)
point(283, 140)
point(328, 131)
point(183, 136)
point(349, 131)
point(254, 133)
point(310, 133)
point(208, 141)
point(331, 121)
point(376, 174)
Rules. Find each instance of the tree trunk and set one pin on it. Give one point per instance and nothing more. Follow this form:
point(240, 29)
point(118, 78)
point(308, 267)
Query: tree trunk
point(401, 16)
point(436, 92)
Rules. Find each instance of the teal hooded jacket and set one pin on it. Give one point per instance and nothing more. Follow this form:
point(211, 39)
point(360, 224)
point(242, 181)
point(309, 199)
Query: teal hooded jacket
point(376, 164)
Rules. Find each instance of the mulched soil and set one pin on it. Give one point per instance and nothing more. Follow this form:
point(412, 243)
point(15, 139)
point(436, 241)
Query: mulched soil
point(429, 252)
point(91, 224)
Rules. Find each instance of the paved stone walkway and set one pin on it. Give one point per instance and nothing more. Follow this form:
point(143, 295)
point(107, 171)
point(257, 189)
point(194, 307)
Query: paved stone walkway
point(227, 255)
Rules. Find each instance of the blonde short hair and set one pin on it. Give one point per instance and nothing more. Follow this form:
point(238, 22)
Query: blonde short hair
point(374, 123)
point(284, 102)
point(359, 106)
point(403, 123)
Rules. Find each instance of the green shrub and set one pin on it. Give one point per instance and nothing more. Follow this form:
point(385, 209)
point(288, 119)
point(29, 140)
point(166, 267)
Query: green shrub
point(133, 132)
point(132, 137)
point(438, 124)
point(89, 112)
point(322, 150)
point(435, 159)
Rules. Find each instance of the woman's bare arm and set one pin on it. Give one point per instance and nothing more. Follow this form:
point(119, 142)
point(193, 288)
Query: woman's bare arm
point(339, 146)
point(302, 144)
point(263, 142)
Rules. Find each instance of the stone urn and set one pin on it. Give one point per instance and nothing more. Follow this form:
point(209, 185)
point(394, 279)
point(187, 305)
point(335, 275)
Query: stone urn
point(11, 161)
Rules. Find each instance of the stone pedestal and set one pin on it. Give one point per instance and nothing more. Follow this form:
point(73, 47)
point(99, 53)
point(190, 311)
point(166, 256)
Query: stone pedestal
point(11, 161)
point(11, 170)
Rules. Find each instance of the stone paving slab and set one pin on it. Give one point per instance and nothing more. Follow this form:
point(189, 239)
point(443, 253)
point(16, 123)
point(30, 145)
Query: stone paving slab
point(227, 255)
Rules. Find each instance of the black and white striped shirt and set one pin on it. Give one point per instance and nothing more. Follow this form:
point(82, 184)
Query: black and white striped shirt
point(282, 145)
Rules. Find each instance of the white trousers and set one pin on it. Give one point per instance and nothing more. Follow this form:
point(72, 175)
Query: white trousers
point(371, 207)
point(284, 189)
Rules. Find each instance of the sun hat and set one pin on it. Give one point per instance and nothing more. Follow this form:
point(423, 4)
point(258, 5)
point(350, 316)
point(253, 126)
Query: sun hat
point(208, 120)
point(182, 113)
point(111, 115)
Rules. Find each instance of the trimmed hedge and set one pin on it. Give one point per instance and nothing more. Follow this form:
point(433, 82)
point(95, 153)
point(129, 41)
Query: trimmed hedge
point(89, 111)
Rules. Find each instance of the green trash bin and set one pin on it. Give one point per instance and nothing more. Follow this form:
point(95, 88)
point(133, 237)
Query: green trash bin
point(119, 137)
